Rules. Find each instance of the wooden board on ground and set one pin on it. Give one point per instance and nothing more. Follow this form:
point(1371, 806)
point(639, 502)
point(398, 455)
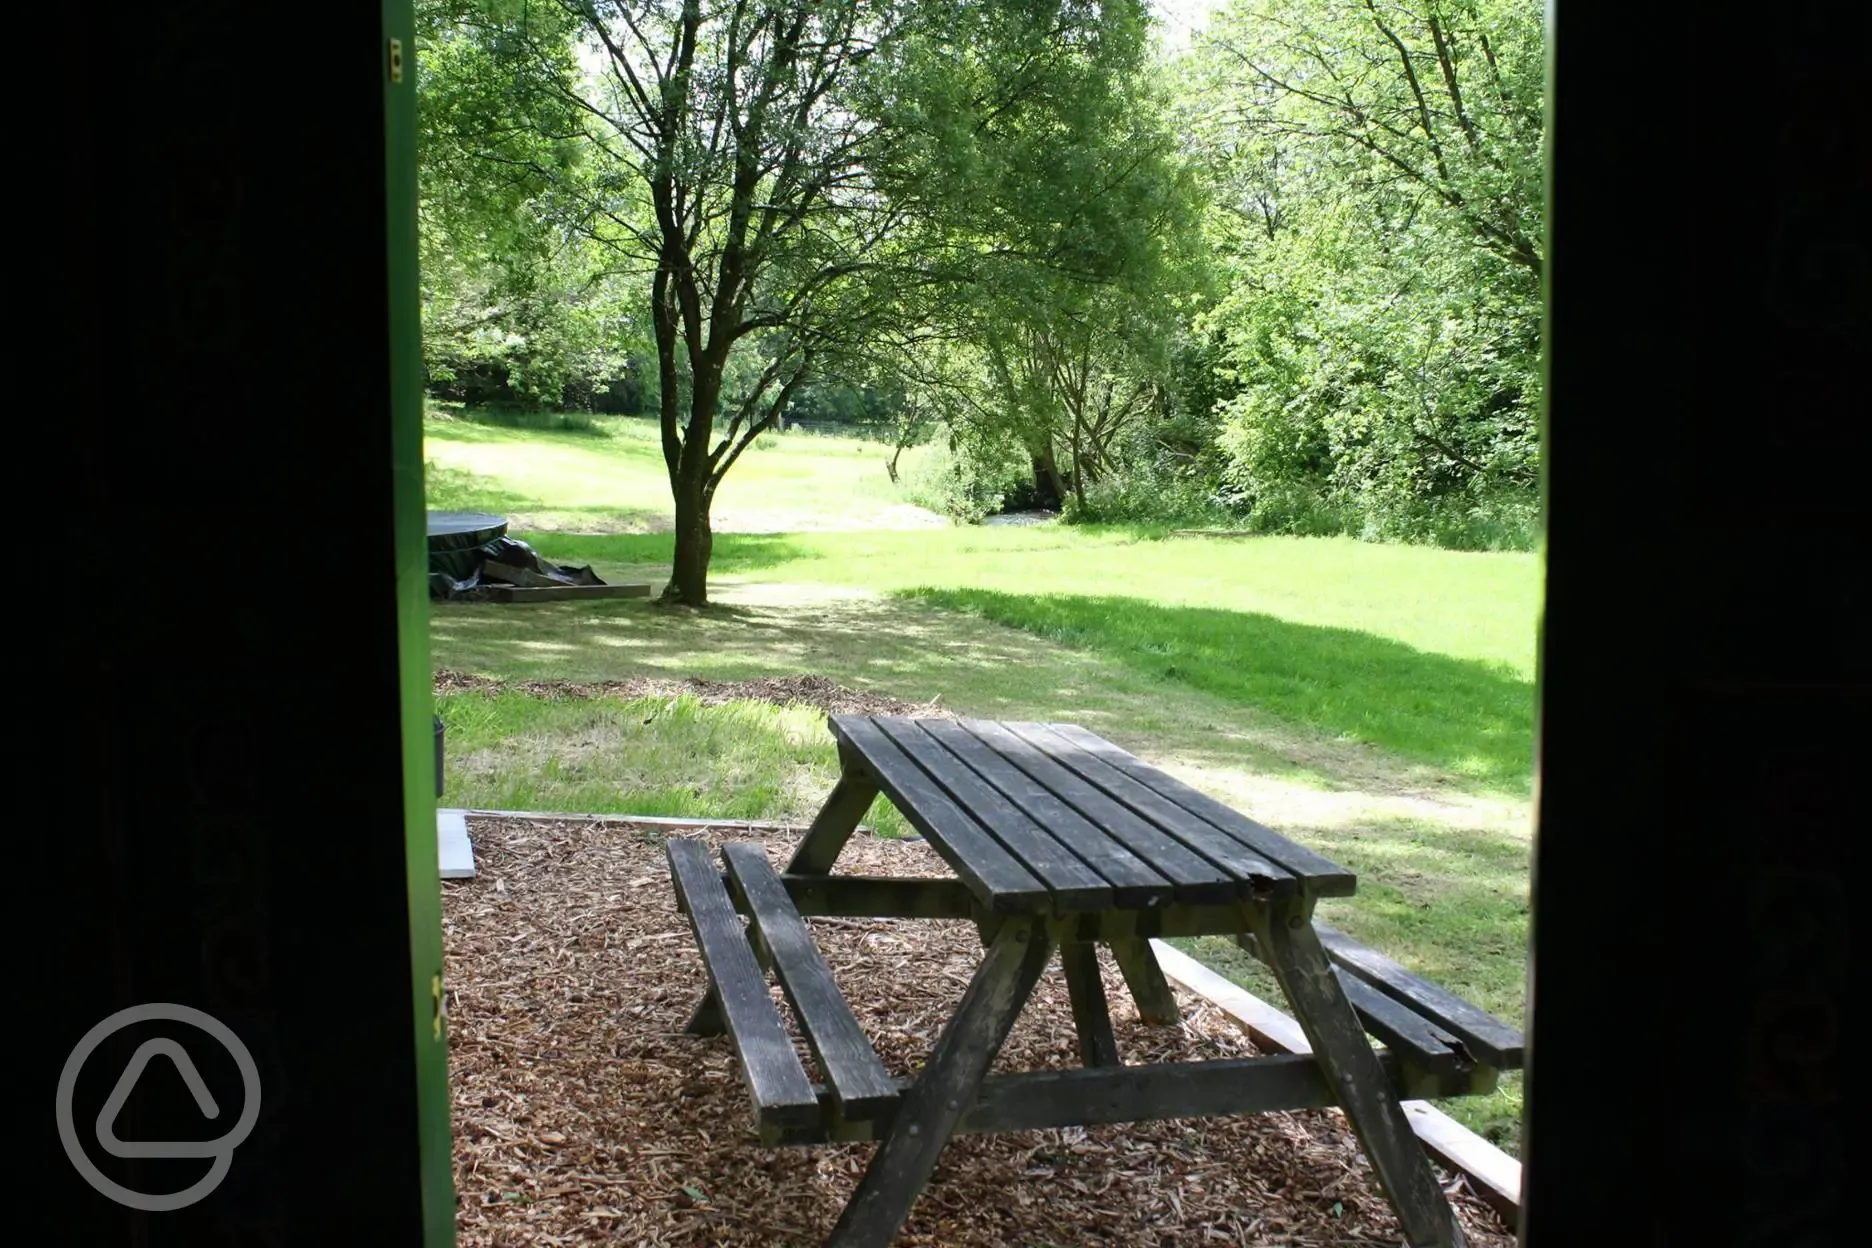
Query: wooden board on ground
point(1495, 1175)
point(559, 593)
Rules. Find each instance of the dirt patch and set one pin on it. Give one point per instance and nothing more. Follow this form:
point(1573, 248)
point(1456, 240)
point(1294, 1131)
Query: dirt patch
point(815, 691)
point(583, 1115)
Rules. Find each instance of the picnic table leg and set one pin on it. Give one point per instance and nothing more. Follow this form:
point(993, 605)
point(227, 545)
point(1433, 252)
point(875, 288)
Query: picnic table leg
point(833, 825)
point(1091, 1015)
point(1156, 1003)
point(927, 1115)
point(707, 1019)
point(1285, 932)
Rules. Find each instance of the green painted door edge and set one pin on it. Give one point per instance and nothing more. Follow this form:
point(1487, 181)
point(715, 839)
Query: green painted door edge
point(397, 59)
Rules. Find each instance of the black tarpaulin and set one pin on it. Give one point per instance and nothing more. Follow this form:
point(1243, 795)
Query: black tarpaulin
point(469, 552)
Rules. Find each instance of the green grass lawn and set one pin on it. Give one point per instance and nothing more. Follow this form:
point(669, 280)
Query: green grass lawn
point(609, 477)
point(1374, 702)
point(1426, 653)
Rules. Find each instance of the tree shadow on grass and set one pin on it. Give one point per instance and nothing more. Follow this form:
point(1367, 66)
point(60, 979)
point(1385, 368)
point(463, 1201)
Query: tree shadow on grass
point(1470, 718)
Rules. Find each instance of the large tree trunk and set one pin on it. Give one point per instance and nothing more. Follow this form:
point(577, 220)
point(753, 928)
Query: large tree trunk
point(1047, 479)
point(689, 487)
point(695, 541)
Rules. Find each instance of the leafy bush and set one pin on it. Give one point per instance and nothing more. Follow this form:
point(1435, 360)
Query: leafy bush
point(1500, 521)
point(1293, 509)
point(509, 415)
point(1376, 349)
point(1152, 494)
point(966, 482)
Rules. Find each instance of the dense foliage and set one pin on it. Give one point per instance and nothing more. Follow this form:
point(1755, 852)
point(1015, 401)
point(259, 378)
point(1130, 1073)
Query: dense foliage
point(1287, 278)
point(1378, 223)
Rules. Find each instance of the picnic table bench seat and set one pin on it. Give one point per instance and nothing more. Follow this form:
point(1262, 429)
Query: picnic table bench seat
point(1059, 842)
point(739, 1003)
point(1430, 1031)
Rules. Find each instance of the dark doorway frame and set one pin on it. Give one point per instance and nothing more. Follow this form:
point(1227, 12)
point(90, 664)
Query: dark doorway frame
point(231, 806)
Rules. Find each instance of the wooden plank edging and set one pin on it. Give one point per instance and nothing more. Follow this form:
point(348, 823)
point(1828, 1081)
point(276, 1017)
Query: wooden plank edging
point(654, 821)
point(1495, 1175)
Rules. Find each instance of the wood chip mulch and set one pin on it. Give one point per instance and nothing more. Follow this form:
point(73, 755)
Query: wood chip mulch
point(816, 691)
point(583, 1115)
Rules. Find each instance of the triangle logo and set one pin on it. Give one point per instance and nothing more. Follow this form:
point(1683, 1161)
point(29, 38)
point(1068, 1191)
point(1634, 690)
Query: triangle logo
point(113, 1105)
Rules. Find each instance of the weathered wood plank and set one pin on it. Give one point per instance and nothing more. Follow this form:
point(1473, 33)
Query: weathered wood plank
point(775, 1079)
point(649, 821)
point(1257, 874)
point(833, 826)
point(1486, 1036)
point(880, 897)
point(1156, 1003)
point(1271, 1030)
point(1134, 882)
point(1193, 878)
point(903, 897)
point(1320, 876)
point(1403, 1029)
point(1363, 1091)
point(851, 1065)
point(1496, 1175)
point(927, 1114)
point(1393, 1021)
point(1074, 885)
point(1085, 989)
point(994, 875)
point(1102, 1096)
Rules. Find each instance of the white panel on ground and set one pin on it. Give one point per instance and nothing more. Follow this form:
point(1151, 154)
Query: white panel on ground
point(1495, 1175)
point(452, 845)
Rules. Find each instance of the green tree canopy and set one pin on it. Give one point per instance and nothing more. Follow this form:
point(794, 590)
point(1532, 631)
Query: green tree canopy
point(1378, 189)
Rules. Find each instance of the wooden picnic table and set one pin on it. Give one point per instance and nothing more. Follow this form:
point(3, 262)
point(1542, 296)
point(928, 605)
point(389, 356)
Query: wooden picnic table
point(1061, 840)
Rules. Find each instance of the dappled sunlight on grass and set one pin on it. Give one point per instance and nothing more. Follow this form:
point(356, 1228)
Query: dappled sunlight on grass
point(915, 652)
